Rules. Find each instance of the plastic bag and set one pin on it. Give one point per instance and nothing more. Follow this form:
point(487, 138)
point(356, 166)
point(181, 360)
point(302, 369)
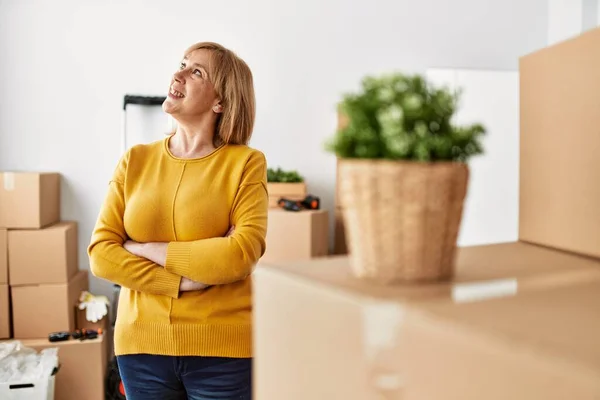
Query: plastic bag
point(23, 364)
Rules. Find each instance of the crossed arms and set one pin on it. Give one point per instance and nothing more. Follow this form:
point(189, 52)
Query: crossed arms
point(169, 268)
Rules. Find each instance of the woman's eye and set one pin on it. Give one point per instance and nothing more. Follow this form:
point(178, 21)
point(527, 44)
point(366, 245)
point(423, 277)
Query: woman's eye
point(198, 72)
point(182, 66)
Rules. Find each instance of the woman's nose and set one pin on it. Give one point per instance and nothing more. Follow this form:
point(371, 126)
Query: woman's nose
point(178, 77)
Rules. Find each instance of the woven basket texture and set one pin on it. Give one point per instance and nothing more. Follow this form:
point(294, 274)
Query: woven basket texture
point(402, 218)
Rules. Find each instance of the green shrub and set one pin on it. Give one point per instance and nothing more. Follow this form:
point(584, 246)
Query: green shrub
point(403, 117)
point(279, 175)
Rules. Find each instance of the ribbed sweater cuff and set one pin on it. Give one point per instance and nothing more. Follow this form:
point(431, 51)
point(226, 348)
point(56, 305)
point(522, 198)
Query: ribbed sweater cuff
point(178, 258)
point(167, 283)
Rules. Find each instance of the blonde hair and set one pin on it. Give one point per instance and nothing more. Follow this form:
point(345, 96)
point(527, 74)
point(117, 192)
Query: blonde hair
point(233, 83)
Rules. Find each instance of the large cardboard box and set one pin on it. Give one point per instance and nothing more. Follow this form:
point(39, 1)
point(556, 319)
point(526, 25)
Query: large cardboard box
point(82, 367)
point(296, 235)
point(38, 310)
point(3, 256)
point(535, 345)
point(322, 334)
point(40, 256)
point(29, 200)
point(5, 325)
point(559, 165)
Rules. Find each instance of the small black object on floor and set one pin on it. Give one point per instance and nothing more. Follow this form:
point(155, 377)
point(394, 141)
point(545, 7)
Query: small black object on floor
point(114, 389)
point(310, 202)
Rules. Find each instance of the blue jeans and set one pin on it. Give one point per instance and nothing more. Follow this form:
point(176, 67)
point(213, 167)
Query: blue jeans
point(152, 377)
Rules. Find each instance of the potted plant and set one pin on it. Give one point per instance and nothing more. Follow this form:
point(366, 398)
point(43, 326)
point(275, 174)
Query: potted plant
point(403, 177)
point(287, 184)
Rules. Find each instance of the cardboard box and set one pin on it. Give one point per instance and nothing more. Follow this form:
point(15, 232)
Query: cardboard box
point(81, 321)
point(41, 309)
point(536, 345)
point(339, 247)
point(559, 163)
point(291, 191)
point(3, 256)
point(321, 333)
point(296, 235)
point(5, 325)
point(82, 367)
point(41, 256)
point(29, 200)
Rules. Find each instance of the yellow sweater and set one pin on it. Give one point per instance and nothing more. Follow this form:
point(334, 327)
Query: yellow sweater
point(191, 204)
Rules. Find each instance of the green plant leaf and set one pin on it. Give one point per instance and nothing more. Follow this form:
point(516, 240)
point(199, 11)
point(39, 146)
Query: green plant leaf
point(282, 176)
point(404, 117)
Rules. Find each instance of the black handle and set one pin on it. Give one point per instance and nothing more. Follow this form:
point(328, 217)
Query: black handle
point(21, 386)
point(142, 100)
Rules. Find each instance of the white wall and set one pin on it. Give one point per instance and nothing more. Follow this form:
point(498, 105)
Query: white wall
point(569, 18)
point(491, 213)
point(564, 19)
point(65, 66)
point(590, 12)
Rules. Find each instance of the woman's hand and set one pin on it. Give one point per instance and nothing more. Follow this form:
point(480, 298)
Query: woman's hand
point(154, 251)
point(157, 253)
point(188, 285)
point(134, 248)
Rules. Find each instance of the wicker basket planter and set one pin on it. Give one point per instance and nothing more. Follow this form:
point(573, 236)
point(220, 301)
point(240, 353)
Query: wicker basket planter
point(402, 218)
point(402, 177)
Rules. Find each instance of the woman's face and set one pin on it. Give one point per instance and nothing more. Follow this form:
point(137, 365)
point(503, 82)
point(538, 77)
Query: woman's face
point(191, 92)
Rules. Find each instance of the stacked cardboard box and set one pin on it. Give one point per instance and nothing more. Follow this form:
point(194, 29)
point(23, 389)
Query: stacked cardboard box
point(296, 235)
point(43, 271)
point(519, 321)
point(27, 201)
point(40, 280)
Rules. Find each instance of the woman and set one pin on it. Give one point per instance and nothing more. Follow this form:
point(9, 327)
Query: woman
point(181, 228)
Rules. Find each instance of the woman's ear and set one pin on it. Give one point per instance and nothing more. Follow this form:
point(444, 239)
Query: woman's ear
point(218, 108)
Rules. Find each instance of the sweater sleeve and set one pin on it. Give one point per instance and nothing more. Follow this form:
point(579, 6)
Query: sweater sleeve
point(109, 259)
point(223, 260)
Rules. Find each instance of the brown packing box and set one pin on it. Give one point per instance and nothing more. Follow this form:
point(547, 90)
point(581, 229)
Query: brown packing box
point(29, 200)
point(39, 256)
point(296, 235)
point(81, 321)
point(341, 342)
point(82, 367)
point(537, 345)
point(340, 246)
point(41, 309)
point(291, 191)
point(3, 256)
point(559, 163)
point(4, 312)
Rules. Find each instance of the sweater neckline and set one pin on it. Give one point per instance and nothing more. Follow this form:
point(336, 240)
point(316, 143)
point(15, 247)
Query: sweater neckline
point(172, 156)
